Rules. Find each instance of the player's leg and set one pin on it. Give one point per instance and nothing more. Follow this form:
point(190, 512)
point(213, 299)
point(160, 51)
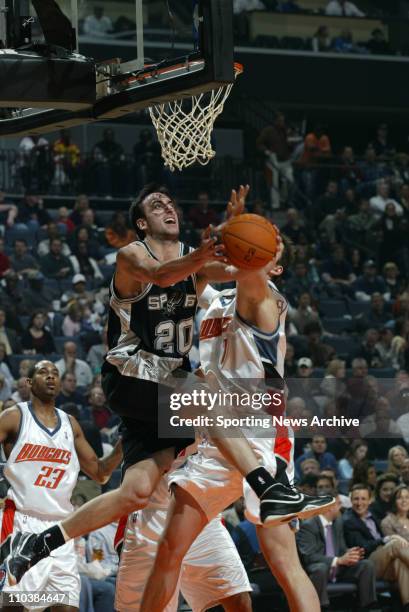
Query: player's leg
point(237, 603)
point(279, 549)
point(185, 521)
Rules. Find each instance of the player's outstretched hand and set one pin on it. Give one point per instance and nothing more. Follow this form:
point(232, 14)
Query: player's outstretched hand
point(237, 202)
point(210, 249)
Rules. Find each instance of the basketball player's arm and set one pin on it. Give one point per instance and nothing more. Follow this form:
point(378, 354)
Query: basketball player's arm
point(9, 424)
point(133, 262)
point(99, 470)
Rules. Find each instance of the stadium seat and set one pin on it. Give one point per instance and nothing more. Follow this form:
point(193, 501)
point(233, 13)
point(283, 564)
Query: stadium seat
point(344, 345)
point(293, 42)
point(357, 308)
point(337, 325)
point(382, 372)
point(13, 235)
point(333, 308)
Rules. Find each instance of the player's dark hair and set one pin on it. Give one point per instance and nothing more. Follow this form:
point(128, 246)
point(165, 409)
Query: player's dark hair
point(136, 210)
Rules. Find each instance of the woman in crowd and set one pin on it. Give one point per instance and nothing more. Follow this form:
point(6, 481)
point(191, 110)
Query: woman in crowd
point(5, 365)
point(385, 486)
point(396, 456)
point(333, 383)
point(37, 339)
point(364, 473)
point(397, 520)
point(72, 324)
point(356, 453)
point(83, 263)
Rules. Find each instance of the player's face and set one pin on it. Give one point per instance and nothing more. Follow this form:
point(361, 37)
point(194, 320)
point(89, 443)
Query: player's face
point(160, 217)
point(45, 383)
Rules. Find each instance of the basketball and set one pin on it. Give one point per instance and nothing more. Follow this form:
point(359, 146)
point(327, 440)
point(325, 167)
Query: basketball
point(250, 241)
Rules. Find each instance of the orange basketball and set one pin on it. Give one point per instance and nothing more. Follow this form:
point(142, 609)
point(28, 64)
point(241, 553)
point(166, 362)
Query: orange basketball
point(250, 241)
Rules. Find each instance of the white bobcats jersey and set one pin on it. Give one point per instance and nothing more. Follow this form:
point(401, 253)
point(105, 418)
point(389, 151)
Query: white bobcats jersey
point(232, 348)
point(43, 466)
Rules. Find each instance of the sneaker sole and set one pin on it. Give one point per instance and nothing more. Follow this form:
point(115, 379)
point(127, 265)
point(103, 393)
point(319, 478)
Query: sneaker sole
point(281, 519)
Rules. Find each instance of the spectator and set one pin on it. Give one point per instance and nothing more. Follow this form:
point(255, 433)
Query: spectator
point(81, 205)
point(360, 225)
point(321, 40)
point(83, 234)
point(90, 224)
point(108, 158)
point(5, 365)
point(333, 383)
point(383, 147)
point(344, 43)
point(304, 314)
point(8, 212)
point(309, 467)
point(201, 215)
point(308, 483)
point(35, 163)
point(290, 365)
point(364, 473)
point(390, 273)
point(317, 146)
point(382, 413)
point(68, 393)
point(389, 554)
point(78, 367)
point(64, 219)
point(377, 44)
point(83, 264)
point(298, 283)
point(5, 388)
point(21, 261)
point(79, 294)
point(97, 24)
point(4, 259)
point(318, 451)
point(349, 173)
point(369, 350)
point(102, 590)
point(304, 385)
point(25, 367)
point(72, 323)
point(337, 273)
point(379, 202)
point(343, 8)
point(327, 559)
point(8, 336)
point(390, 348)
point(377, 317)
point(274, 145)
point(66, 160)
point(396, 456)
point(31, 213)
point(328, 203)
point(320, 352)
point(100, 546)
point(369, 283)
point(404, 472)
point(97, 352)
point(36, 295)
point(117, 233)
point(37, 338)
point(379, 439)
point(356, 453)
point(294, 228)
point(43, 247)
point(148, 161)
point(22, 392)
point(384, 488)
point(397, 520)
point(98, 411)
point(55, 264)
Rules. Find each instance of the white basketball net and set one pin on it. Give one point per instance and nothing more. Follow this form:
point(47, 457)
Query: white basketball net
point(184, 127)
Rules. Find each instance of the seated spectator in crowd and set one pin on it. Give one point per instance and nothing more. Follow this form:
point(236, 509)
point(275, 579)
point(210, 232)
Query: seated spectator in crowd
point(88, 221)
point(303, 385)
point(304, 313)
point(356, 453)
point(82, 235)
point(81, 204)
point(5, 388)
point(55, 264)
point(369, 349)
point(344, 43)
point(382, 198)
point(392, 232)
point(369, 283)
point(298, 283)
point(8, 212)
point(79, 294)
point(308, 483)
point(333, 384)
point(78, 367)
point(5, 365)
point(25, 367)
point(394, 284)
point(37, 339)
point(100, 546)
point(82, 263)
point(21, 261)
point(382, 412)
point(328, 203)
point(343, 8)
point(404, 472)
point(396, 456)
point(360, 225)
point(382, 144)
point(202, 215)
point(36, 295)
point(321, 41)
point(118, 234)
point(97, 352)
point(72, 323)
point(384, 488)
point(377, 44)
point(364, 473)
point(8, 336)
point(309, 466)
point(397, 520)
point(320, 352)
point(102, 590)
point(326, 558)
point(378, 315)
point(98, 412)
point(327, 484)
point(294, 228)
point(390, 348)
point(337, 272)
point(64, 219)
point(389, 554)
point(31, 213)
point(68, 393)
point(380, 441)
point(318, 451)
point(4, 259)
point(23, 391)
point(43, 247)
point(97, 24)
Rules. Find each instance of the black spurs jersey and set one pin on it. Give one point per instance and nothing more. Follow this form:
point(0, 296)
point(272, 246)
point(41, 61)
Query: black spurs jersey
point(151, 334)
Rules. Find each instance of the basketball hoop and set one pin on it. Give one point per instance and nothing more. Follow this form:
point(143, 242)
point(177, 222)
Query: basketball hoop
point(184, 127)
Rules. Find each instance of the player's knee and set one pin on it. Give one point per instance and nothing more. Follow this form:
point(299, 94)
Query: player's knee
point(241, 602)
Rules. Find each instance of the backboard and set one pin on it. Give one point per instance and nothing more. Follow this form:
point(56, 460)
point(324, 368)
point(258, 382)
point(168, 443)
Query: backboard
point(142, 52)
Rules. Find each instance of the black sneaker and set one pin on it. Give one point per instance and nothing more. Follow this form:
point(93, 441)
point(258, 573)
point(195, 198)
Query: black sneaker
point(280, 504)
point(26, 549)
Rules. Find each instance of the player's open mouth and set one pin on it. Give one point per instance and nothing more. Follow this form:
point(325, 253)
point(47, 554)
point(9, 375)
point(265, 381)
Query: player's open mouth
point(170, 221)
